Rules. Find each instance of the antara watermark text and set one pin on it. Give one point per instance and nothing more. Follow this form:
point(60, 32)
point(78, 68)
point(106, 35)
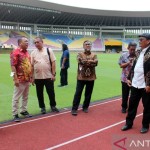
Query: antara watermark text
point(131, 142)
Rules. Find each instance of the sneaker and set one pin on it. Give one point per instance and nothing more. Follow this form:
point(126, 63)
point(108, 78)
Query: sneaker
point(54, 109)
point(74, 112)
point(16, 118)
point(85, 110)
point(43, 111)
point(26, 114)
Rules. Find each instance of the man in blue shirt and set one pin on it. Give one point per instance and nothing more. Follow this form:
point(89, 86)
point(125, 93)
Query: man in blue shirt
point(64, 64)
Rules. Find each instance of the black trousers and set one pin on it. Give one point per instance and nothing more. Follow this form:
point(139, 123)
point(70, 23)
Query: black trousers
point(49, 84)
point(88, 92)
point(136, 95)
point(125, 95)
point(64, 76)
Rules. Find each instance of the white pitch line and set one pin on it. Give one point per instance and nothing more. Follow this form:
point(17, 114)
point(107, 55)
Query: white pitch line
point(4, 95)
point(87, 135)
point(16, 124)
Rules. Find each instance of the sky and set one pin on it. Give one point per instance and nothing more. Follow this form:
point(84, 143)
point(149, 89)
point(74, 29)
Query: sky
point(121, 5)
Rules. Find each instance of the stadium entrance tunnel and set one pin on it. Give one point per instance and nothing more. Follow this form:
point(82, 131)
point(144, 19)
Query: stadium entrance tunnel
point(113, 48)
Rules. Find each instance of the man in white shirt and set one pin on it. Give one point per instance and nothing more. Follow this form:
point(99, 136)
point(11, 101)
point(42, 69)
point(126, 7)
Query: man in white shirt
point(140, 85)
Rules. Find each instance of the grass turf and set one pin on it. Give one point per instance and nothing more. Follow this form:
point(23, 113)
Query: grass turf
point(106, 85)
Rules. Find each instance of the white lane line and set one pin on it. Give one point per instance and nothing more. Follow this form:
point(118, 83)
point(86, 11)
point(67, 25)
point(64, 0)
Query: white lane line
point(15, 124)
point(89, 134)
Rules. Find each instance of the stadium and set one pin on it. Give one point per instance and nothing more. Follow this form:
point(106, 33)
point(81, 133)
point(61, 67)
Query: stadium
point(110, 31)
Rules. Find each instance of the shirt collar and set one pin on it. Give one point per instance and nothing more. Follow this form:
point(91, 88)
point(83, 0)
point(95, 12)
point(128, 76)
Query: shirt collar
point(87, 52)
point(144, 50)
point(128, 54)
point(21, 50)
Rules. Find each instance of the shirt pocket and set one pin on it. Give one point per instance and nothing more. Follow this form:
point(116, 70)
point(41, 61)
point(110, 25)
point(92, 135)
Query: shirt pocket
point(46, 58)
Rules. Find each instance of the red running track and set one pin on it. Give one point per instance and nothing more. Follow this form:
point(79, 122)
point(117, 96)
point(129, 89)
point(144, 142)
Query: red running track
point(87, 131)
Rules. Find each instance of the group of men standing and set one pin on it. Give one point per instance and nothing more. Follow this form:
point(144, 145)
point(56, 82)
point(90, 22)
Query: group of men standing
point(136, 79)
point(36, 69)
point(39, 68)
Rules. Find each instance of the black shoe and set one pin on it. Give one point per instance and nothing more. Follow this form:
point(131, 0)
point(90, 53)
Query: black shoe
point(126, 127)
point(43, 111)
point(74, 112)
point(26, 114)
point(16, 118)
point(54, 109)
point(85, 110)
point(144, 130)
point(123, 110)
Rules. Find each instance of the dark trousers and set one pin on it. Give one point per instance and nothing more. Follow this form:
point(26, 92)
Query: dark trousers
point(136, 95)
point(64, 76)
point(88, 92)
point(125, 95)
point(49, 84)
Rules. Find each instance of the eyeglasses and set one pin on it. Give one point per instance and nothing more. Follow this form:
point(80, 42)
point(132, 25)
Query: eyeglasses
point(36, 42)
point(142, 39)
point(88, 44)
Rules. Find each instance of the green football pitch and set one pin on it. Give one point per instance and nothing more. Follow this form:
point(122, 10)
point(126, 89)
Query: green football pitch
point(107, 84)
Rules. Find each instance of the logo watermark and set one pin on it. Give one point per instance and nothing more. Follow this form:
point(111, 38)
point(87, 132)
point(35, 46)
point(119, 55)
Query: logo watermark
point(131, 142)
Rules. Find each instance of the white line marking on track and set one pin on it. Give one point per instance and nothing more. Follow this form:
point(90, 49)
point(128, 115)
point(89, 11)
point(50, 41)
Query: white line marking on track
point(89, 134)
point(15, 124)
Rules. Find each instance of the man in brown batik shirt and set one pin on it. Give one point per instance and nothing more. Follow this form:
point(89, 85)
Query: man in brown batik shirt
point(87, 61)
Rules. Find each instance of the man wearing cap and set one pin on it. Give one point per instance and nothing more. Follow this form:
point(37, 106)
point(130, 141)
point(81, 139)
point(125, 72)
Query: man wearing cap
point(126, 62)
point(140, 85)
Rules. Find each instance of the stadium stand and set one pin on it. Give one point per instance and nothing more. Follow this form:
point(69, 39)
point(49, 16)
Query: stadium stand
point(10, 39)
point(71, 25)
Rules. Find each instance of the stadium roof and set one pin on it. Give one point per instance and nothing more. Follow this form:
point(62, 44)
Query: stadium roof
point(40, 12)
point(125, 5)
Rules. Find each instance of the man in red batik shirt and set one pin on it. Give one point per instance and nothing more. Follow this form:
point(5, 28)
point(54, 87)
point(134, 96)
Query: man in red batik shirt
point(21, 73)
